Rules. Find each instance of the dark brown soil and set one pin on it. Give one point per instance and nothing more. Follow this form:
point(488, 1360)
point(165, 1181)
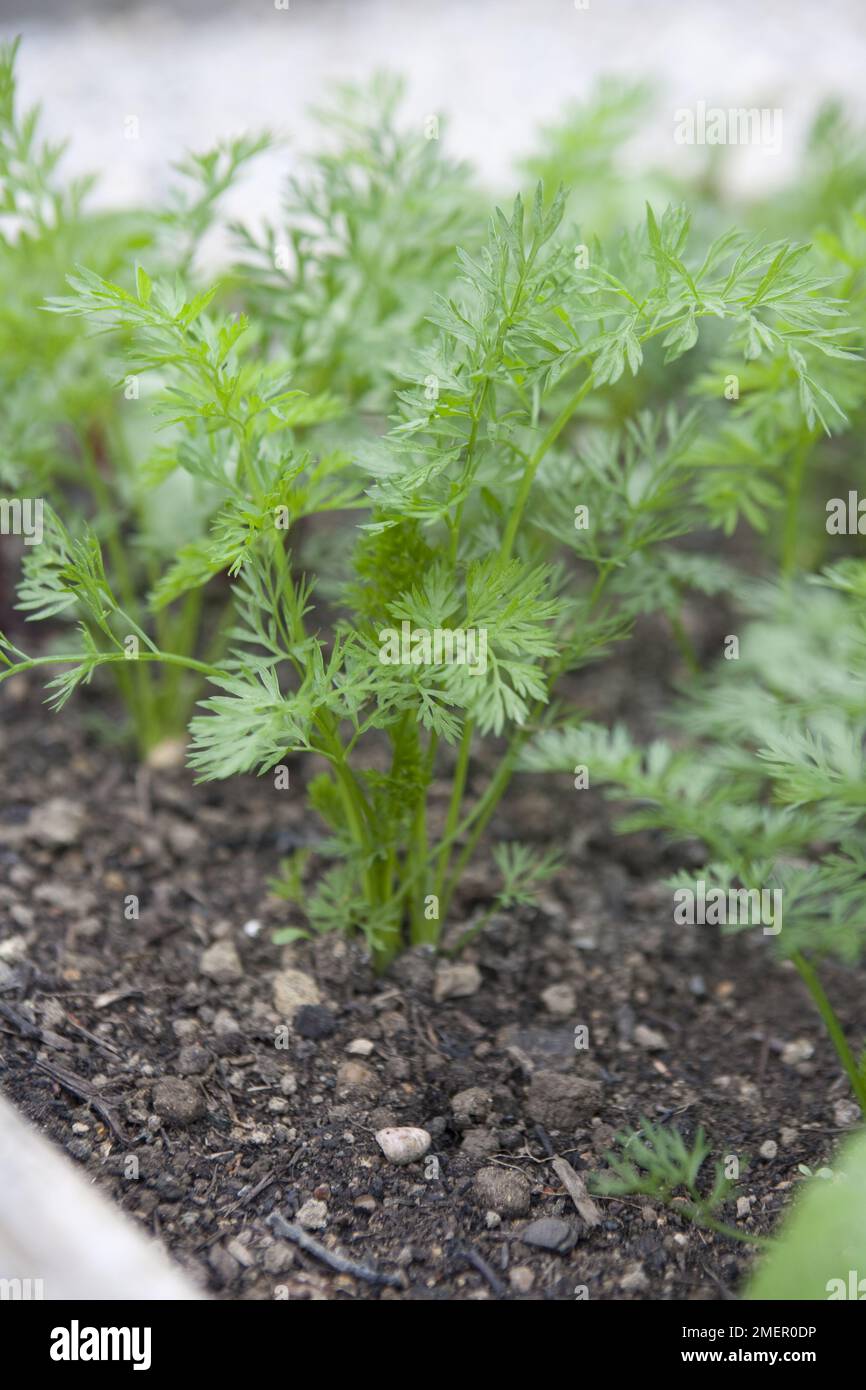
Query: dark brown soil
point(109, 1007)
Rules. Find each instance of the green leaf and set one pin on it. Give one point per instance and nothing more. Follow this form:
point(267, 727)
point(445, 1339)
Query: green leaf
point(143, 284)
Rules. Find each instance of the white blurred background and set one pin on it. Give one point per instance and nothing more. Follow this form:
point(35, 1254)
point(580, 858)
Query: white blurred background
point(192, 71)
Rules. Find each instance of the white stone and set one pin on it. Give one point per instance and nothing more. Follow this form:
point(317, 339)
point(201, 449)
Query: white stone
point(559, 1000)
point(313, 1216)
point(649, 1038)
point(403, 1144)
point(845, 1113)
point(456, 982)
point(292, 990)
point(221, 962)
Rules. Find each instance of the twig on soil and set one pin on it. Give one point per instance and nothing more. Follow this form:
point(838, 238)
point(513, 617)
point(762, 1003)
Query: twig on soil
point(336, 1262)
point(78, 1086)
point(32, 1031)
point(114, 996)
point(250, 1195)
point(576, 1189)
point(473, 1258)
point(424, 1030)
point(91, 1037)
point(21, 1024)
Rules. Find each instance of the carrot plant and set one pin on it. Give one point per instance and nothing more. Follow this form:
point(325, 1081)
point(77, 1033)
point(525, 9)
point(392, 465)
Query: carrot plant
point(76, 432)
point(503, 532)
point(340, 283)
point(71, 436)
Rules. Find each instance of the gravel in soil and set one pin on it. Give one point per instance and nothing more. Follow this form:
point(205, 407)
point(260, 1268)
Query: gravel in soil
point(217, 1086)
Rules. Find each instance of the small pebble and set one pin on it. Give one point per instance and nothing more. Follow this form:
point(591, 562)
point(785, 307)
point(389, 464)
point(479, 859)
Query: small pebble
point(472, 1105)
point(403, 1144)
point(846, 1113)
point(278, 1258)
point(479, 1142)
point(314, 1021)
point(354, 1078)
point(560, 1101)
point(225, 1025)
point(223, 1264)
point(559, 1000)
point(549, 1233)
point(502, 1190)
point(193, 1060)
point(313, 1216)
point(456, 982)
point(292, 990)
point(239, 1252)
point(521, 1279)
point(177, 1101)
point(634, 1280)
point(221, 963)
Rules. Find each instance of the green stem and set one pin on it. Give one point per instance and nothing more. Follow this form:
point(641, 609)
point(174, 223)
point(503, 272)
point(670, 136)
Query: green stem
point(796, 476)
point(722, 1229)
point(480, 815)
point(500, 782)
point(457, 790)
point(831, 1022)
point(532, 466)
point(137, 691)
point(108, 659)
point(424, 932)
point(684, 643)
point(175, 707)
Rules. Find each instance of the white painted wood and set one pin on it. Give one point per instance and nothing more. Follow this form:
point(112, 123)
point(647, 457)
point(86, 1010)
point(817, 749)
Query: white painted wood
point(56, 1228)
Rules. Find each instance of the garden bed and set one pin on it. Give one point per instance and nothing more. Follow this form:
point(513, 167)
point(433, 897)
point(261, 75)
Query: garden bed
point(422, 526)
point(165, 1039)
